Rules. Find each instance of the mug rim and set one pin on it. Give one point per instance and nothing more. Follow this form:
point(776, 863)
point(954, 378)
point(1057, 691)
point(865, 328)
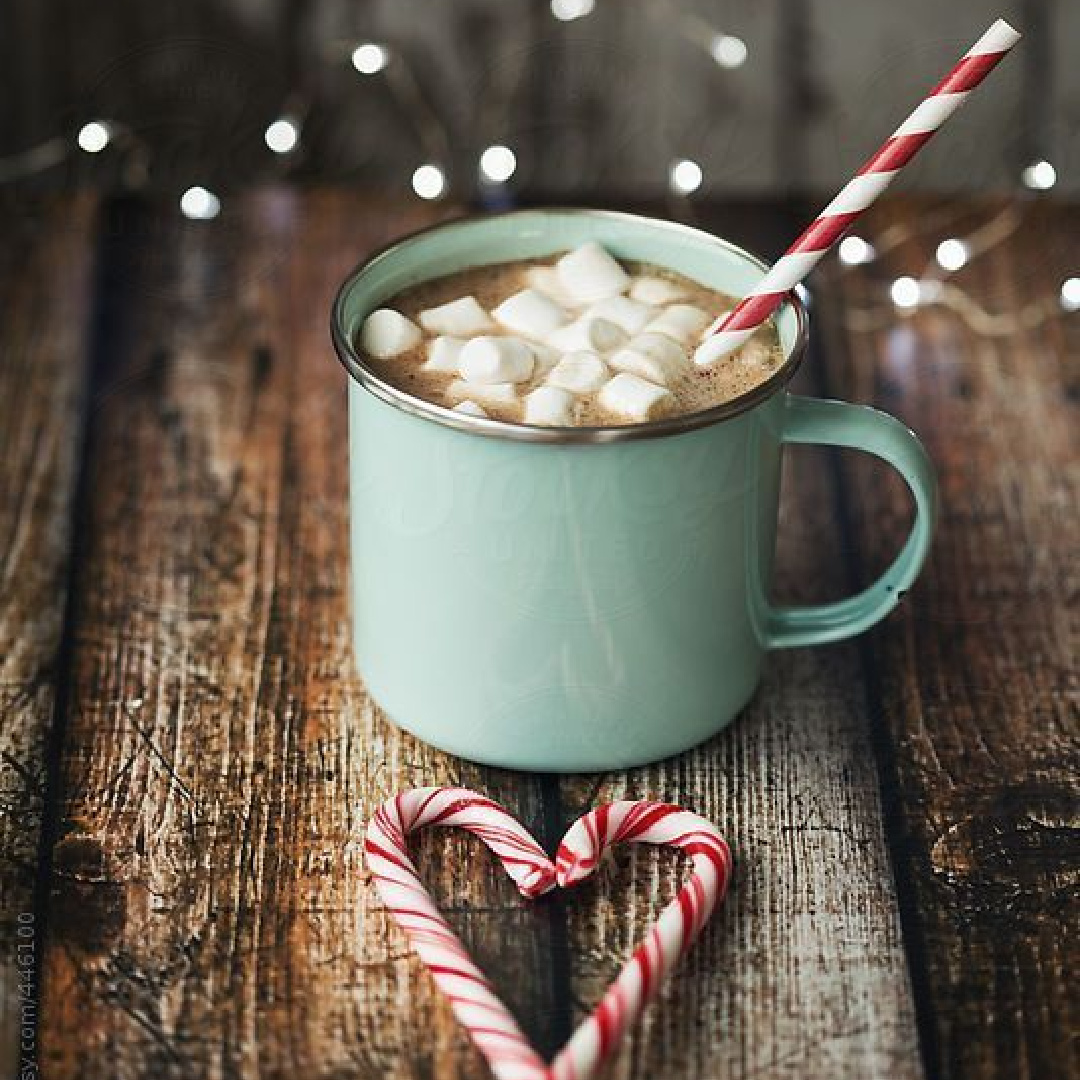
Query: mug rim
point(358, 369)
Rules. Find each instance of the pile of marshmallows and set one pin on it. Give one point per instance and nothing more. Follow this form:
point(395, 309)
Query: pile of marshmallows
point(582, 326)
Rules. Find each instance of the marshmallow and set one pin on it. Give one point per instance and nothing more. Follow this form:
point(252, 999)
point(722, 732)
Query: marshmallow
point(388, 333)
point(579, 372)
point(637, 399)
point(459, 318)
point(757, 354)
point(469, 408)
point(655, 357)
point(490, 394)
point(590, 273)
point(549, 405)
point(665, 348)
point(530, 313)
point(545, 279)
point(589, 334)
point(495, 360)
point(443, 354)
point(545, 357)
point(655, 291)
point(630, 315)
point(683, 322)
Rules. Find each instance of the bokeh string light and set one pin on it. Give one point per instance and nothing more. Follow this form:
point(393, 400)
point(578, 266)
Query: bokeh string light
point(497, 165)
point(728, 50)
point(570, 10)
point(685, 176)
point(855, 251)
point(199, 204)
point(1039, 176)
point(1070, 294)
point(429, 181)
point(94, 136)
point(952, 298)
point(905, 293)
point(369, 57)
point(282, 136)
point(909, 294)
point(952, 254)
point(430, 178)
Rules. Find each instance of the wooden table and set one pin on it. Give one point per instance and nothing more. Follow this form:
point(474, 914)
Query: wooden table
point(188, 760)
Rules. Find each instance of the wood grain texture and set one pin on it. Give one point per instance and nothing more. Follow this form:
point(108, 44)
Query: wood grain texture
point(211, 914)
point(974, 679)
point(45, 271)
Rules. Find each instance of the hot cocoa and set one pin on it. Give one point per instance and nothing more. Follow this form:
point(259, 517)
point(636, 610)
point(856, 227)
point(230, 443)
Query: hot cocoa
point(581, 340)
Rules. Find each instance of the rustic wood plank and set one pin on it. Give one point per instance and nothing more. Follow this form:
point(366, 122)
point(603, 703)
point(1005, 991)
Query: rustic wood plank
point(803, 973)
point(211, 916)
point(974, 680)
point(45, 271)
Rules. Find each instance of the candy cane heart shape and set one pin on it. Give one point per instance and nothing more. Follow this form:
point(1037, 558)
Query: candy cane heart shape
point(475, 1004)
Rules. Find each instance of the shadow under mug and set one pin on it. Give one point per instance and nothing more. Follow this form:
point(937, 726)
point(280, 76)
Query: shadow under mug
point(583, 598)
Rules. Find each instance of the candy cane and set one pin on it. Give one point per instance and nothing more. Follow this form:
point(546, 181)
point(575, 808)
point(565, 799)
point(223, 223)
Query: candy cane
point(476, 1006)
point(731, 330)
point(669, 937)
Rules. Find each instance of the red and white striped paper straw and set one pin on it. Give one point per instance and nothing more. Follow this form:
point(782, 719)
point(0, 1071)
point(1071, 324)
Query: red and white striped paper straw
point(730, 331)
point(478, 1009)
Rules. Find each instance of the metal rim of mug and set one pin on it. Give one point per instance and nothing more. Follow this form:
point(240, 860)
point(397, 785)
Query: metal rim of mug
point(508, 429)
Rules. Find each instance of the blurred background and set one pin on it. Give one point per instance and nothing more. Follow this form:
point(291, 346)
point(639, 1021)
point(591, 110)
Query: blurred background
point(181, 758)
point(493, 101)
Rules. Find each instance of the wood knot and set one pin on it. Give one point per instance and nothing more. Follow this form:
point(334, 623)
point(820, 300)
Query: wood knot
point(88, 902)
point(1020, 837)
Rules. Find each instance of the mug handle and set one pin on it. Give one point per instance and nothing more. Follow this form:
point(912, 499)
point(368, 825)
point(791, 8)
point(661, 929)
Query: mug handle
point(813, 421)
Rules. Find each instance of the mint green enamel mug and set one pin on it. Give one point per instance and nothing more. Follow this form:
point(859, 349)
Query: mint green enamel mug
point(583, 598)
